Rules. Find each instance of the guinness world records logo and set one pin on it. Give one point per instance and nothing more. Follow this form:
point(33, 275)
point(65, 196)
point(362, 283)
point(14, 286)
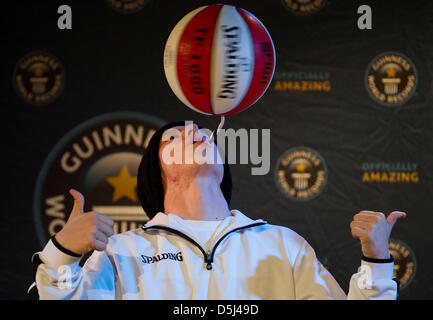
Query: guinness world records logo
point(391, 79)
point(404, 262)
point(303, 7)
point(127, 6)
point(38, 78)
point(301, 173)
point(99, 158)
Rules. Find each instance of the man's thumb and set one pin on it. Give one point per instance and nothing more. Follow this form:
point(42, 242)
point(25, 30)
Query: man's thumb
point(78, 202)
point(394, 216)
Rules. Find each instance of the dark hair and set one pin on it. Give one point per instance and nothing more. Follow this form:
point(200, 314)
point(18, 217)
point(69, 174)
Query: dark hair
point(149, 181)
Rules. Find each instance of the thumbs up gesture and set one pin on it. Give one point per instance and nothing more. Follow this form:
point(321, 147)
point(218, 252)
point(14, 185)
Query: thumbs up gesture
point(84, 231)
point(373, 230)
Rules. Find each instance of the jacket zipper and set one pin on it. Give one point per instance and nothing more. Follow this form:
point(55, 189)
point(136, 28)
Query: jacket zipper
point(224, 236)
point(209, 255)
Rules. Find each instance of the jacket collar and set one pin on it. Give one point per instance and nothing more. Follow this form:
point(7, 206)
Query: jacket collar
point(236, 220)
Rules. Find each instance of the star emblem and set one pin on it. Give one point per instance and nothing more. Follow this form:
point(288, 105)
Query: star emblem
point(124, 185)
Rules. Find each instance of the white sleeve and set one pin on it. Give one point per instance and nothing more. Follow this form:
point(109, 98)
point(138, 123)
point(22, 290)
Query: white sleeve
point(373, 281)
point(313, 281)
point(60, 276)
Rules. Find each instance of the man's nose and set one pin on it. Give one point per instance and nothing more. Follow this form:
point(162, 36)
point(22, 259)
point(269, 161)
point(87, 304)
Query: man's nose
point(192, 133)
point(191, 128)
point(196, 129)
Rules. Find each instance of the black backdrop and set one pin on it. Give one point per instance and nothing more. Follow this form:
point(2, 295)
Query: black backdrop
point(112, 62)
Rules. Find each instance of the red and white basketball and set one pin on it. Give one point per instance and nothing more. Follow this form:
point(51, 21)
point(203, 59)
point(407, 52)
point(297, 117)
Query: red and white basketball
point(219, 59)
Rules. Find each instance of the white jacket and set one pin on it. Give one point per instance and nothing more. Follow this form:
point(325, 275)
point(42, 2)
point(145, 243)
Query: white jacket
point(248, 259)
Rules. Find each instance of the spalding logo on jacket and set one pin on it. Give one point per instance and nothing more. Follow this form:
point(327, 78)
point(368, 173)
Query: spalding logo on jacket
point(162, 256)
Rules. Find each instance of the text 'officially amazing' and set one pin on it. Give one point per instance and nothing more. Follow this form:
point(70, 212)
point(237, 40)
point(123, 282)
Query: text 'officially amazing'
point(191, 145)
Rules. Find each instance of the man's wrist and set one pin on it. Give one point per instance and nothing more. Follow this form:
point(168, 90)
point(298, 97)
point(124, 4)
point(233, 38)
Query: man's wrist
point(63, 249)
point(54, 257)
point(375, 260)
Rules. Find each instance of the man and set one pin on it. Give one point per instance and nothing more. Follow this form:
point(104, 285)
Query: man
point(195, 247)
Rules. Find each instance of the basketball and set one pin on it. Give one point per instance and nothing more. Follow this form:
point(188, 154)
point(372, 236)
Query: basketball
point(219, 59)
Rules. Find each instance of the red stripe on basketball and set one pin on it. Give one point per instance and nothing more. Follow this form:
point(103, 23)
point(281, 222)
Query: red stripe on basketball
point(194, 58)
point(264, 62)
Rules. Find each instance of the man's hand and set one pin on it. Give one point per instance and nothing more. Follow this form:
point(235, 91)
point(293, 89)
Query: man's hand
point(373, 230)
point(84, 231)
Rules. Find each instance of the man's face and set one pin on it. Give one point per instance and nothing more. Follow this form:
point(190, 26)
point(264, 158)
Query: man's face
point(184, 152)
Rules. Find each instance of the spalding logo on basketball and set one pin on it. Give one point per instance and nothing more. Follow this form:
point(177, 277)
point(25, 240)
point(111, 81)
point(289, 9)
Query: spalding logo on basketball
point(219, 59)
